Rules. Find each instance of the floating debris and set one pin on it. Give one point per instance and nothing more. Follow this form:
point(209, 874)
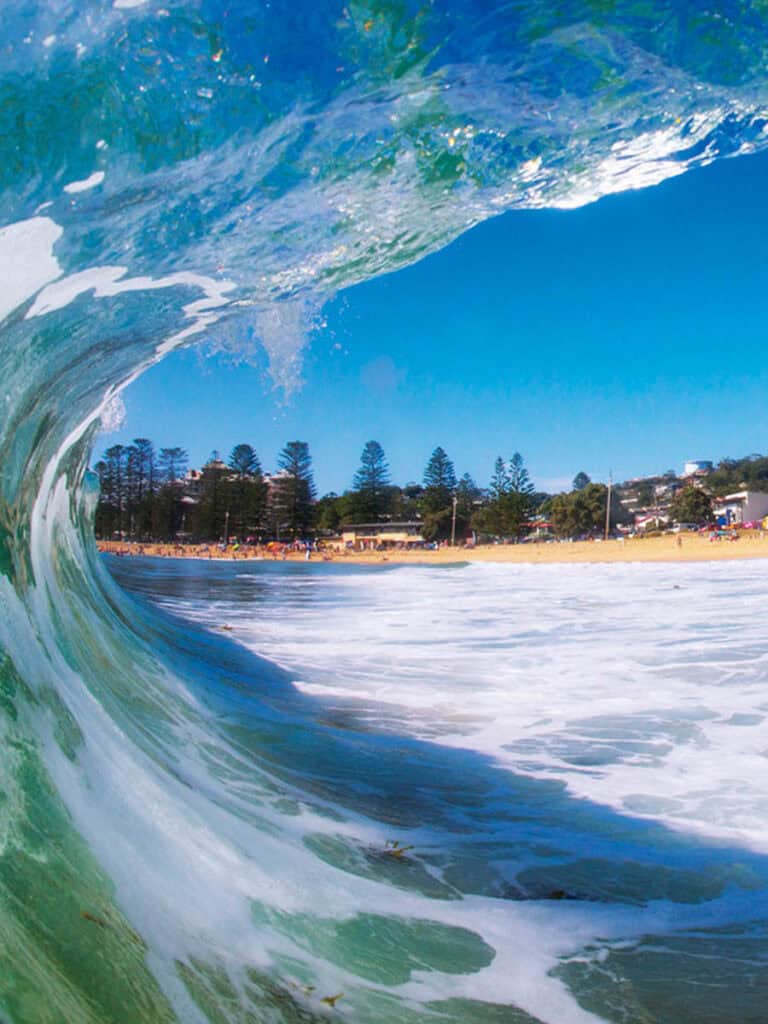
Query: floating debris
point(332, 1000)
point(88, 916)
point(393, 848)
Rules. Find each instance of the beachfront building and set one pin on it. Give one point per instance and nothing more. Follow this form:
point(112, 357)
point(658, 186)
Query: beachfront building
point(741, 507)
point(541, 528)
point(370, 536)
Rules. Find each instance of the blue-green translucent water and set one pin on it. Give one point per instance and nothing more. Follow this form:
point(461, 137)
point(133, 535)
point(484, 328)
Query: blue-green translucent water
point(183, 834)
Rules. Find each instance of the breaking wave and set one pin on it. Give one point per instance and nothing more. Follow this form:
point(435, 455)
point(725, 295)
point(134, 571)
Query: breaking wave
point(183, 835)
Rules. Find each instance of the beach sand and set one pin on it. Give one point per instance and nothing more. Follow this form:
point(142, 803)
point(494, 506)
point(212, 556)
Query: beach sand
point(687, 547)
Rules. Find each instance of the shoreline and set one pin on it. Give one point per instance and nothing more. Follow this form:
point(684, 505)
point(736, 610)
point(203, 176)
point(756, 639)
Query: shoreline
point(686, 547)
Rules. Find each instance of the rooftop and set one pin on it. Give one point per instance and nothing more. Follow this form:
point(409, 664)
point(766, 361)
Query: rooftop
point(379, 526)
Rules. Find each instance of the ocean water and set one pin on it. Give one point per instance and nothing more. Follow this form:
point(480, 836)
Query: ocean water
point(199, 824)
point(641, 687)
point(573, 758)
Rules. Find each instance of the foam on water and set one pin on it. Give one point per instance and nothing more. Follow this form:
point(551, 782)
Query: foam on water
point(643, 686)
point(594, 676)
point(185, 834)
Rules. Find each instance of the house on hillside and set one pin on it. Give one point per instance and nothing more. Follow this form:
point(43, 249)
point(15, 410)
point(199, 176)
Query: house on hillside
point(696, 471)
point(650, 520)
point(697, 468)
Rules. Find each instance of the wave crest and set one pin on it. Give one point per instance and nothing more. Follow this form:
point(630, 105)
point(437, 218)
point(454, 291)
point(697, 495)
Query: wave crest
point(209, 170)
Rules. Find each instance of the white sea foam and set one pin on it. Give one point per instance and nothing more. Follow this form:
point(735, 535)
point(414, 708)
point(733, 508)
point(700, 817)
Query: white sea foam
point(26, 260)
point(114, 414)
point(106, 282)
point(85, 183)
point(641, 686)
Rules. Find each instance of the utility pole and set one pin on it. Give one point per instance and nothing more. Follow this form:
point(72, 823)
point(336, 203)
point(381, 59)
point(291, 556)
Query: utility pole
point(608, 504)
point(453, 522)
point(226, 528)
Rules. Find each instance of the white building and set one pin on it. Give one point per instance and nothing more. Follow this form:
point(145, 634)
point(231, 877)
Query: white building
point(741, 507)
point(697, 467)
point(650, 521)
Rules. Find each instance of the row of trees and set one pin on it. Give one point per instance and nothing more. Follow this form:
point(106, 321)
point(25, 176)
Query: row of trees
point(152, 496)
point(750, 472)
point(445, 506)
point(149, 494)
point(582, 511)
point(139, 489)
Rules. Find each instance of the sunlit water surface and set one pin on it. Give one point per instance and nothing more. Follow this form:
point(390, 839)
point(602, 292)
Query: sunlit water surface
point(607, 726)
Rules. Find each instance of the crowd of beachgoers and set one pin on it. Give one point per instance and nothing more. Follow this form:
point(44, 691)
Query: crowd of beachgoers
point(668, 547)
point(273, 550)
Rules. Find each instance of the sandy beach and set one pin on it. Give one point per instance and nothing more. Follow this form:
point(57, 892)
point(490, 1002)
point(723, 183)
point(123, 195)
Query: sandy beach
point(687, 547)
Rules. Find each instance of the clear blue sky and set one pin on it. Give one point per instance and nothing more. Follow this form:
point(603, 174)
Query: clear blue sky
point(630, 334)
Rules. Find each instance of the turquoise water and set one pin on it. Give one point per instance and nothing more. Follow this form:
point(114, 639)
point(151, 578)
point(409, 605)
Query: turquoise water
point(184, 833)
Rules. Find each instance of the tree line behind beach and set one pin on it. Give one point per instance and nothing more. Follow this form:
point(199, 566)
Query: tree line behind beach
point(152, 494)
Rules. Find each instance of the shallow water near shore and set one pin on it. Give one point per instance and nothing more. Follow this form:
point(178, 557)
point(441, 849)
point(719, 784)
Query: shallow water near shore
point(573, 755)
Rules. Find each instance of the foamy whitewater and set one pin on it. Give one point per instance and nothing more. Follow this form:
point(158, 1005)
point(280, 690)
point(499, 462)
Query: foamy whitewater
point(600, 809)
point(641, 687)
point(476, 795)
